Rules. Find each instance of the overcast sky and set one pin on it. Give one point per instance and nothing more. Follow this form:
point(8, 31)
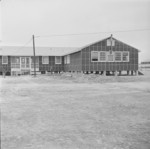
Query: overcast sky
point(20, 19)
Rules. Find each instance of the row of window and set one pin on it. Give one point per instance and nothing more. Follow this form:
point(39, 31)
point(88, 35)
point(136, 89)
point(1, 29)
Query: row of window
point(104, 56)
point(45, 60)
point(96, 56)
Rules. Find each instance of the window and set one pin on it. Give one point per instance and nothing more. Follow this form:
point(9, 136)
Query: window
point(118, 57)
point(65, 60)
point(45, 60)
point(109, 42)
point(94, 56)
point(102, 56)
point(110, 57)
point(125, 56)
point(5, 60)
point(68, 59)
point(57, 59)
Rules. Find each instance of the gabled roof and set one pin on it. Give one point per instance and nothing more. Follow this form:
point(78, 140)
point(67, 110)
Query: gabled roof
point(127, 44)
point(97, 42)
point(39, 51)
point(46, 51)
point(79, 49)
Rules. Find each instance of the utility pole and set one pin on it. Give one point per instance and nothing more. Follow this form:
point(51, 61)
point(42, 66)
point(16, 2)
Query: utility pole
point(111, 44)
point(34, 56)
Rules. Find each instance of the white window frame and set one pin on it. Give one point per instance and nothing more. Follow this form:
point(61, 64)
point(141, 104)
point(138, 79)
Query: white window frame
point(43, 59)
point(6, 59)
point(68, 59)
point(109, 42)
point(105, 56)
point(128, 56)
point(115, 56)
point(56, 59)
point(97, 56)
point(108, 53)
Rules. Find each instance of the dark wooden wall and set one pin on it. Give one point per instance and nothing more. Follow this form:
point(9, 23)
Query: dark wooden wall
point(51, 66)
point(75, 62)
point(87, 65)
point(5, 67)
point(81, 61)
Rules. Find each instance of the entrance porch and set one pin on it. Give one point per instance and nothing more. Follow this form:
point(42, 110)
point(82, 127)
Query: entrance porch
point(23, 65)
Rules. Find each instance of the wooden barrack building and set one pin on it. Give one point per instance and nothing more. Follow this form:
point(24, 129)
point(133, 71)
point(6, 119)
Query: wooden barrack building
point(104, 56)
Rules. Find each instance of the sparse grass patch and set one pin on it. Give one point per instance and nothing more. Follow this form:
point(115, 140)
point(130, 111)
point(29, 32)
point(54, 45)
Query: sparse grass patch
point(62, 112)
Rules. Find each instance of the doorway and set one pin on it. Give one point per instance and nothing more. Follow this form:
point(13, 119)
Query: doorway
point(25, 62)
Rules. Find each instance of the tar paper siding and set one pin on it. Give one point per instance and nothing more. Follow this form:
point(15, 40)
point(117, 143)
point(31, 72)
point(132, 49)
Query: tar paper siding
point(87, 65)
point(5, 67)
point(51, 66)
point(75, 62)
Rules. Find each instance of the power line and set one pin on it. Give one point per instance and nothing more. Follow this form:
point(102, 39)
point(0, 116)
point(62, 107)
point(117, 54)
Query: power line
point(23, 45)
point(92, 33)
point(27, 42)
point(78, 34)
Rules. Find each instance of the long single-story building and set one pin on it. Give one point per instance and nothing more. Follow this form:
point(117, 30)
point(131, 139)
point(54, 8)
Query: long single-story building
point(104, 56)
point(144, 65)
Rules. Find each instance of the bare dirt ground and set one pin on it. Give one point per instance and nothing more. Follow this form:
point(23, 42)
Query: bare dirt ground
point(78, 112)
